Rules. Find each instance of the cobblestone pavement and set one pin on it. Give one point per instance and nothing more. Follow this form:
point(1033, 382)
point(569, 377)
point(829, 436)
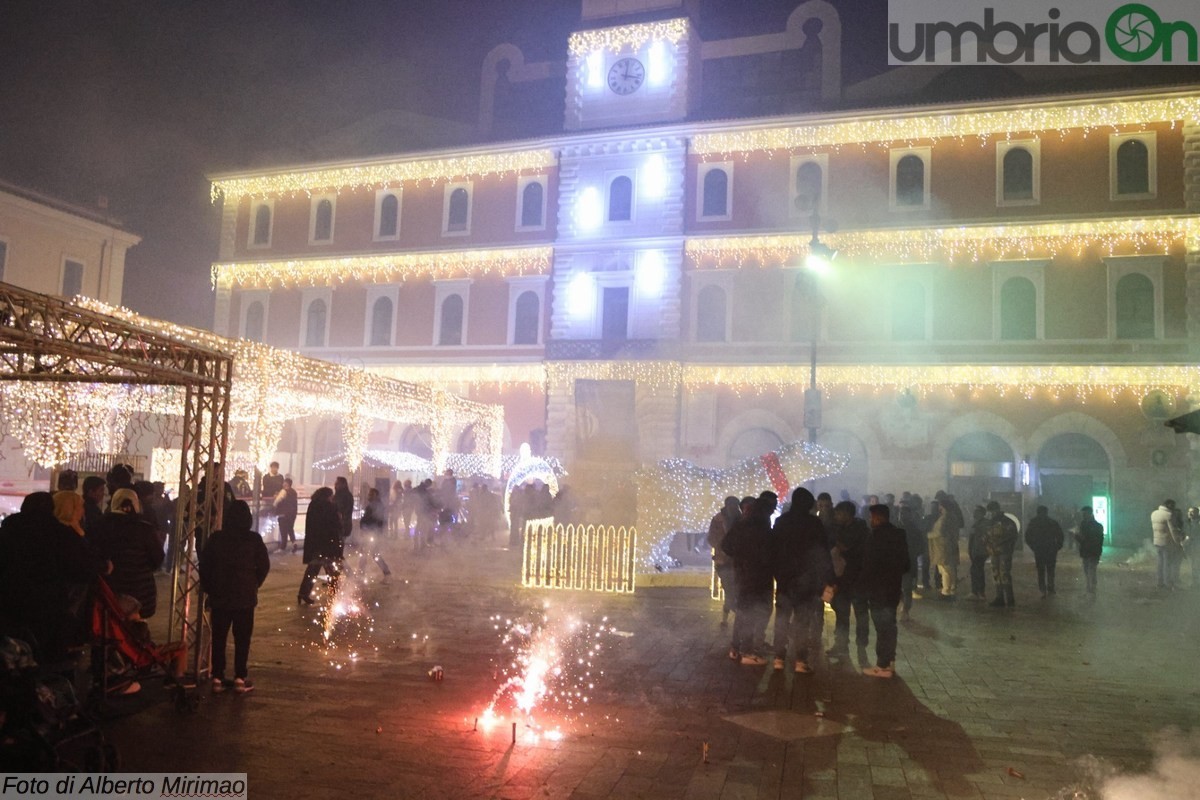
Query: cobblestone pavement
point(986, 703)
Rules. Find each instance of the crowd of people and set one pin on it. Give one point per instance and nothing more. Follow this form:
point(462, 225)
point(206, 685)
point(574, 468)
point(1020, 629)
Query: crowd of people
point(871, 561)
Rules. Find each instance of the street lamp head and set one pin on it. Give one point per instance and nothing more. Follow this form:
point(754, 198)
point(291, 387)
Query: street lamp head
point(820, 257)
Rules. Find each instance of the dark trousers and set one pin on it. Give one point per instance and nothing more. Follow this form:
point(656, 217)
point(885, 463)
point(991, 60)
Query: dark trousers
point(842, 604)
point(978, 575)
point(884, 616)
point(750, 624)
point(798, 620)
point(242, 621)
point(331, 567)
point(1045, 564)
point(287, 530)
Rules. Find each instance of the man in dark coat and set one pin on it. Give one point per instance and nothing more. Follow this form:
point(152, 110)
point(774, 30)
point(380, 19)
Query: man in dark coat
point(1091, 546)
point(850, 534)
point(885, 563)
point(233, 564)
point(322, 542)
point(803, 570)
point(749, 544)
point(287, 507)
point(1045, 538)
point(94, 490)
point(45, 572)
point(343, 501)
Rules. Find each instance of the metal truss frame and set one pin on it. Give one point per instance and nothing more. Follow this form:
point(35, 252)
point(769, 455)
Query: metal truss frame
point(48, 339)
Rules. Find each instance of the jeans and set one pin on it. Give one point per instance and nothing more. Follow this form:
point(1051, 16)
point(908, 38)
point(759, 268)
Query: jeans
point(1164, 572)
point(750, 624)
point(883, 614)
point(978, 573)
point(843, 603)
point(729, 583)
point(923, 569)
point(1174, 563)
point(330, 565)
point(287, 530)
point(368, 548)
point(800, 621)
point(242, 621)
point(1045, 571)
point(1089, 573)
point(906, 589)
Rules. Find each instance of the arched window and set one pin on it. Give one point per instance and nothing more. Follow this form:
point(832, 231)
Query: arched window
point(381, 322)
point(808, 187)
point(910, 181)
point(314, 329)
point(908, 312)
point(1135, 307)
point(451, 329)
point(710, 314)
point(1018, 174)
point(531, 205)
point(323, 222)
point(254, 322)
point(716, 193)
point(456, 215)
point(1133, 167)
point(262, 225)
point(1018, 309)
point(389, 216)
point(620, 199)
point(525, 318)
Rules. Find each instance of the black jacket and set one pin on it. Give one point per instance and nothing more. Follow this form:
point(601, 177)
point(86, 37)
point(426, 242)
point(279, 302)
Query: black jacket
point(748, 543)
point(46, 573)
point(1044, 536)
point(343, 501)
point(233, 565)
point(803, 566)
point(885, 563)
point(852, 542)
point(322, 532)
point(1091, 539)
point(133, 547)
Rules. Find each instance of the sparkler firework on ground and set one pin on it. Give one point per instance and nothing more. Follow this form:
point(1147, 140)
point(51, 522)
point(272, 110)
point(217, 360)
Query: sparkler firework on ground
point(548, 669)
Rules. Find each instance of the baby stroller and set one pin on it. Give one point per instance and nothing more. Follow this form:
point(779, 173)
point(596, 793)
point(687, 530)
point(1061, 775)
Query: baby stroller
point(126, 653)
point(43, 726)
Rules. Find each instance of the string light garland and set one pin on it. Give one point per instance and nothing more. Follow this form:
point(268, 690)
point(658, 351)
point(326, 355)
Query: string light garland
point(381, 174)
point(632, 37)
point(898, 126)
point(527, 374)
point(383, 268)
point(968, 242)
point(464, 464)
point(676, 495)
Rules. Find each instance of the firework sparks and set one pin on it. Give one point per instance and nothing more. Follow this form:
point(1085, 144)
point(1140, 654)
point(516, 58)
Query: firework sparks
point(550, 671)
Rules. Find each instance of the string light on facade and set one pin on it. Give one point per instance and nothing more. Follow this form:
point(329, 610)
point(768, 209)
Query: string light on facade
point(464, 464)
point(888, 127)
point(383, 268)
point(967, 242)
point(382, 174)
point(632, 37)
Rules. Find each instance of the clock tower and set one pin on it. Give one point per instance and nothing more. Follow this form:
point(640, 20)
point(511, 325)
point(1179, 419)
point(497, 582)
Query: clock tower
point(631, 74)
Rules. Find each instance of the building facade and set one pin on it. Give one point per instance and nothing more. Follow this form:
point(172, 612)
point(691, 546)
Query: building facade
point(1012, 311)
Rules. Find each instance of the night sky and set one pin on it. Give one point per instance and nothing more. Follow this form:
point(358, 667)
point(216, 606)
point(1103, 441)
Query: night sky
point(138, 101)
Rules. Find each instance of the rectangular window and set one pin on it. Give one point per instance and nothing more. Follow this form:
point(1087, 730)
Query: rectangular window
point(72, 278)
point(615, 314)
point(714, 192)
point(531, 203)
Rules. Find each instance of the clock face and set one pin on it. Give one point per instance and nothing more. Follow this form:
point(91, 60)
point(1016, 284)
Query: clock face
point(626, 76)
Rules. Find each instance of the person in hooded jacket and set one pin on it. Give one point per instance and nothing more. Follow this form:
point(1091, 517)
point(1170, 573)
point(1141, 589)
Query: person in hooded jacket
point(322, 542)
point(885, 564)
point(803, 571)
point(749, 544)
point(233, 565)
point(343, 501)
point(126, 539)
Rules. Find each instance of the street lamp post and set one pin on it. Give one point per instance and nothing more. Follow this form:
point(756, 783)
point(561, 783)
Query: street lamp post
point(819, 257)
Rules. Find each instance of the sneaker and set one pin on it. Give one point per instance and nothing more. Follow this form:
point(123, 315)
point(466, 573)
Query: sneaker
point(802, 668)
point(918, 596)
point(879, 672)
point(243, 685)
point(778, 664)
point(752, 660)
point(218, 685)
point(734, 655)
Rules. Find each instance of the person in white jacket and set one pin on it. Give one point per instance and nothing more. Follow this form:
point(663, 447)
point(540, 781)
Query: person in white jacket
point(1168, 539)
